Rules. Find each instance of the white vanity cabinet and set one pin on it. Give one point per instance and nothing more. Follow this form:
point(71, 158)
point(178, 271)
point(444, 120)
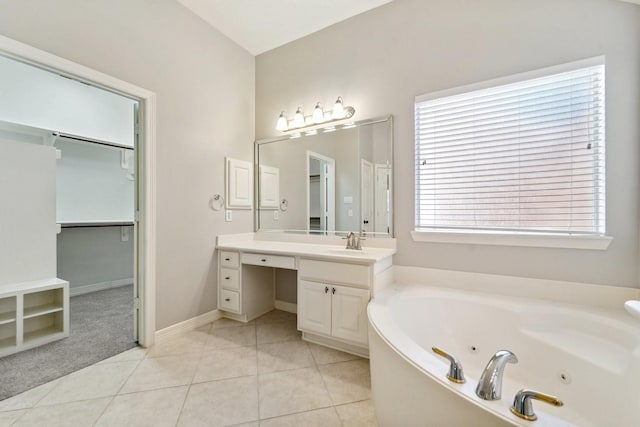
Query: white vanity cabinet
point(333, 310)
point(332, 303)
point(333, 286)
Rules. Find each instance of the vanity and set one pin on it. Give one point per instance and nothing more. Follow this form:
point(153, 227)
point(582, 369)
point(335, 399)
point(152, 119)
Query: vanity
point(311, 189)
point(334, 284)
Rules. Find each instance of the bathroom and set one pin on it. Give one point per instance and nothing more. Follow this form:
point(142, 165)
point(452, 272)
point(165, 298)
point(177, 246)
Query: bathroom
point(213, 99)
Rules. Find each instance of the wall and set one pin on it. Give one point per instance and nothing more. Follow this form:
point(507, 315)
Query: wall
point(94, 258)
point(27, 213)
point(205, 111)
point(380, 60)
point(35, 97)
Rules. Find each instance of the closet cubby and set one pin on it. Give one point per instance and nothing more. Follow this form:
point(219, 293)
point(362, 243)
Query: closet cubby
point(32, 314)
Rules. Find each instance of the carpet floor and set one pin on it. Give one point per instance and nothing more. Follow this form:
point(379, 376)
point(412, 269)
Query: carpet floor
point(101, 326)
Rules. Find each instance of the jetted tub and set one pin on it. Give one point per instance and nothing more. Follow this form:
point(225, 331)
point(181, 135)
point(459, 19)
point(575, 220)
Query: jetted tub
point(588, 357)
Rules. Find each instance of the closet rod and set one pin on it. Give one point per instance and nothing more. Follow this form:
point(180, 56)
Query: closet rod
point(92, 141)
point(95, 225)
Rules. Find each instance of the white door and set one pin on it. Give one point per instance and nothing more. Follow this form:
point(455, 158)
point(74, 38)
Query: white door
point(383, 199)
point(314, 307)
point(349, 313)
point(366, 195)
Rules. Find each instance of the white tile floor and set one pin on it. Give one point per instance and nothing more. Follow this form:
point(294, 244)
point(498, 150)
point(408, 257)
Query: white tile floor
point(224, 374)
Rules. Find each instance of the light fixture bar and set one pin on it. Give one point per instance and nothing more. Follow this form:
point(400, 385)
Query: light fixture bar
point(318, 117)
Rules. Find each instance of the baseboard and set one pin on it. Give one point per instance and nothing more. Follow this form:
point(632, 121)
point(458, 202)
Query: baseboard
point(286, 306)
point(187, 325)
point(80, 290)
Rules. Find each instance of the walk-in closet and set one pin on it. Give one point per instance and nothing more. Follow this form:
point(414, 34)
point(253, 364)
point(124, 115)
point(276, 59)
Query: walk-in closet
point(68, 235)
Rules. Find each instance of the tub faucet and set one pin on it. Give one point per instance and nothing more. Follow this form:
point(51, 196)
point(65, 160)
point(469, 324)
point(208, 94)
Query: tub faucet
point(490, 384)
point(523, 408)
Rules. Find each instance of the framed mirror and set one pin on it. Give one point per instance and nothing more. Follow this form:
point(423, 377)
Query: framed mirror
point(327, 181)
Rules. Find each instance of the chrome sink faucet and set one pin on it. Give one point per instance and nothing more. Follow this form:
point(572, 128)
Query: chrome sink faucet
point(353, 242)
point(490, 383)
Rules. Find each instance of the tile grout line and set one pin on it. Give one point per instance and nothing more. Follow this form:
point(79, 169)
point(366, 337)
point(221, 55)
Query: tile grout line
point(119, 389)
point(255, 325)
point(193, 376)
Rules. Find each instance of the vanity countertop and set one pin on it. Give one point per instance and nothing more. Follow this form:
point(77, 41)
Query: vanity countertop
point(322, 249)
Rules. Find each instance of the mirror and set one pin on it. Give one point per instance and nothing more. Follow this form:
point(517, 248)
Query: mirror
point(327, 181)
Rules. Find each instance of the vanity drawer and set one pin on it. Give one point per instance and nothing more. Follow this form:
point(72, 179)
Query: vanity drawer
point(229, 300)
point(335, 272)
point(229, 259)
point(229, 278)
point(278, 261)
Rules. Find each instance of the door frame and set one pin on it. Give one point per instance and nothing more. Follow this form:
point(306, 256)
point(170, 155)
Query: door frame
point(146, 184)
point(329, 192)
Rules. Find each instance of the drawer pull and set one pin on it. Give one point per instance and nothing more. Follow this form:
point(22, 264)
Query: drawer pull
point(263, 260)
point(333, 290)
point(227, 299)
point(227, 259)
point(227, 278)
point(326, 289)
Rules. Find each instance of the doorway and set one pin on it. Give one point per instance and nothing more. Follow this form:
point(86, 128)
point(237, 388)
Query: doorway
point(144, 221)
point(321, 190)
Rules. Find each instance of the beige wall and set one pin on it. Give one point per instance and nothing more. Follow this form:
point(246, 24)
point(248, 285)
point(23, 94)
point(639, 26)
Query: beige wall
point(205, 111)
point(380, 60)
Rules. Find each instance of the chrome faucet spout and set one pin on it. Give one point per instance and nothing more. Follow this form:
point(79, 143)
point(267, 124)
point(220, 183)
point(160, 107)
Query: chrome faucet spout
point(490, 383)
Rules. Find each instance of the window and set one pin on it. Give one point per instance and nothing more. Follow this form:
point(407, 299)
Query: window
point(527, 157)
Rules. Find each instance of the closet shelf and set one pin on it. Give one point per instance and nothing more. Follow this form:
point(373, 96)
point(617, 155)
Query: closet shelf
point(40, 310)
point(42, 334)
point(79, 224)
point(7, 342)
point(8, 317)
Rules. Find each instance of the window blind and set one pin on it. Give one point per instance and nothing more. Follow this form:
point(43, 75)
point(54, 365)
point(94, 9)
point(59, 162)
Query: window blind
point(522, 157)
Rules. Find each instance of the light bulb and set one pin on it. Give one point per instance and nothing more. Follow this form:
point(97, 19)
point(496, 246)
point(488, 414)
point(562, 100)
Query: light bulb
point(338, 109)
point(282, 123)
point(298, 119)
point(318, 114)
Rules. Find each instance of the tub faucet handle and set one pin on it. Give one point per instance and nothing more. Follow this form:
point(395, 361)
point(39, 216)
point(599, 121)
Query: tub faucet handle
point(455, 368)
point(523, 408)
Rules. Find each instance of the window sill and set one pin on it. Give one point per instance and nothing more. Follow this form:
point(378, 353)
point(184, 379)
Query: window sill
point(504, 239)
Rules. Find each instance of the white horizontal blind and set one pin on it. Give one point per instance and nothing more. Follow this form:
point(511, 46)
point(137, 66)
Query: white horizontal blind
point(522, 157)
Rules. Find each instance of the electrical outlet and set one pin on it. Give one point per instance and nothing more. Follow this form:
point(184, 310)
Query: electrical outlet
point(350, 212)
point(228, 216)
point(124, 234)
point(276, 216)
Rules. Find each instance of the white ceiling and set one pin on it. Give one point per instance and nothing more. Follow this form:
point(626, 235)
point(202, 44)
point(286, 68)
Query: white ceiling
point(262, 25)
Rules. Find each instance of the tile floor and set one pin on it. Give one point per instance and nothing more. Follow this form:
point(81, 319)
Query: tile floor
point(224, 374)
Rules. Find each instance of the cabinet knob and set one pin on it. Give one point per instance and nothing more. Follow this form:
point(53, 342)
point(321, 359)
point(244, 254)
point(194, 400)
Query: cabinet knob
point(333, 290)
point(326, 289)
point(263, 260)
point(227, 278)
point(227, 259)
point(227, 299)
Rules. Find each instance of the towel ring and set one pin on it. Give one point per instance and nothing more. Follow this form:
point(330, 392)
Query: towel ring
point(216, 202)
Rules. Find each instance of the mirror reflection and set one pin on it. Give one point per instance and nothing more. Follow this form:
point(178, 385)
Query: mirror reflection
point(328, 180)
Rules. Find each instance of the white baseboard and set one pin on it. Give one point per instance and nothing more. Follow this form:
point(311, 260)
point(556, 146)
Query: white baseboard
point(80, 290)
point(187, 325)
point(286, 306)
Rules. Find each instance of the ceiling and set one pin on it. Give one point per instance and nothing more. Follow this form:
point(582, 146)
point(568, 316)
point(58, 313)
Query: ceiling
point(261, 25)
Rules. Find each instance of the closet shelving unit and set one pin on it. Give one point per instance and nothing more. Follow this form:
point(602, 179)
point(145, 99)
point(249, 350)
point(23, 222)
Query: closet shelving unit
point(32, 314)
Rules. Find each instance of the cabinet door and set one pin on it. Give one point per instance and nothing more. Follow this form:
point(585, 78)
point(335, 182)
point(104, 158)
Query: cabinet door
point(349, 313)
point(314, 307)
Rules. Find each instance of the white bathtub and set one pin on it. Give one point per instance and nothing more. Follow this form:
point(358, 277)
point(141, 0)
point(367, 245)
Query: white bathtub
point(588, 357)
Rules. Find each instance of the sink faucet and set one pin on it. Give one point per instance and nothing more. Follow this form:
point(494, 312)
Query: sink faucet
point(353, 242)
point(490, 383)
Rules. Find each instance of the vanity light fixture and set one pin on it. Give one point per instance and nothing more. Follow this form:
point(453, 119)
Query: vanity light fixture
point(282, 123)
point(339, 112)
point(318, 114)
point(298, 119)
point(338, 109)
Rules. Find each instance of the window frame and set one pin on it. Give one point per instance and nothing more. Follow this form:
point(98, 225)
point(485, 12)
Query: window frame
point(527, 238)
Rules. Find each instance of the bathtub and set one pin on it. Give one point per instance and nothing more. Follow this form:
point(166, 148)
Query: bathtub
point(588, 357)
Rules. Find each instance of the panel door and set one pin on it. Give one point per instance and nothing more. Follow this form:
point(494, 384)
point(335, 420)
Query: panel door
point(349, 313)
point(314, 307)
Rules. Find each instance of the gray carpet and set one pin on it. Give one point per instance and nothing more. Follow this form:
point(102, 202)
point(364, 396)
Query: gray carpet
point(101, 326)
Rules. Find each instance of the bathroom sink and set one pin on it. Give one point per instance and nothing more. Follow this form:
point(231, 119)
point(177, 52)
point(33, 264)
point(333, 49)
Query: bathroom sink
point(352, 252)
